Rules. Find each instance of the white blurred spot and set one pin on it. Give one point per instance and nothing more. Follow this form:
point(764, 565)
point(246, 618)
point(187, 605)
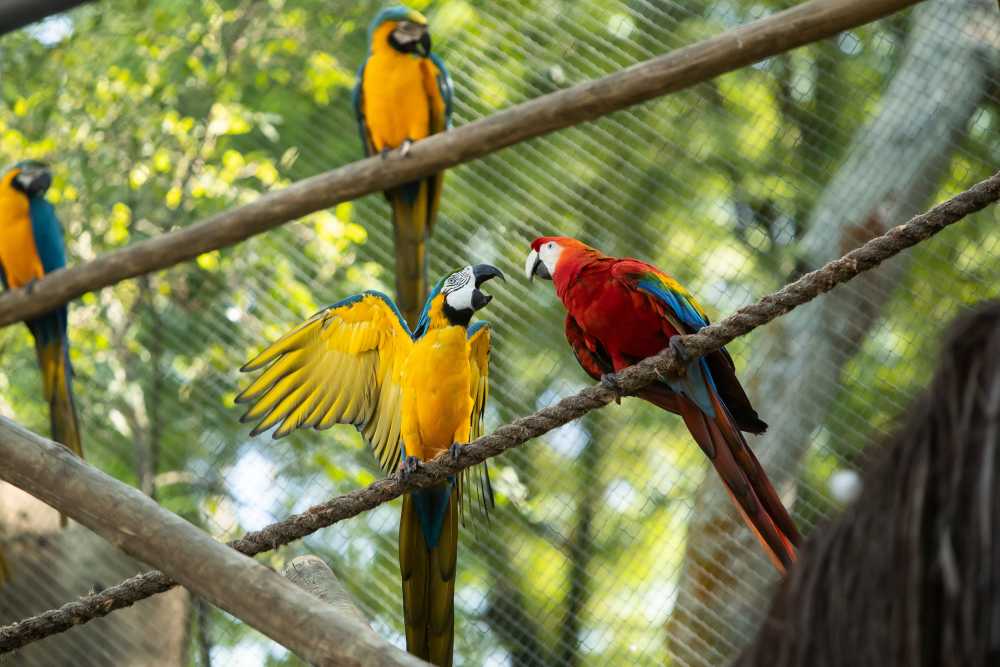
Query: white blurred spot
point(52, 30)
point(621, 496)
point(497, 658)
point(508, 484)
point(845, 485)
point(234, 314)
point(621, 26)
point(251, 482)
point(849, 43)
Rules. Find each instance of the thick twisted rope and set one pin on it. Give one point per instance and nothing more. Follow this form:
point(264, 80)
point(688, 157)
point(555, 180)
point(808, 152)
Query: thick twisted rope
point(630, 380)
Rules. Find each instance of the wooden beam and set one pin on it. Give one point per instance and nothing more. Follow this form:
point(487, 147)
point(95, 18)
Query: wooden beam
point(16, 14)
point(677, 70)
point(311, 574)
point(132, 521)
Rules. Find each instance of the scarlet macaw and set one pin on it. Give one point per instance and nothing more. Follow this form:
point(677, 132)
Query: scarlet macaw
point(620, 311)
point(31, 245)
point(412, 395)
point(404, 94)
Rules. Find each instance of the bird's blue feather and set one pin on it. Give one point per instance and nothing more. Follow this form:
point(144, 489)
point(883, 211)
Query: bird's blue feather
point(698, 381)
point(431, 506)
point(51, 249)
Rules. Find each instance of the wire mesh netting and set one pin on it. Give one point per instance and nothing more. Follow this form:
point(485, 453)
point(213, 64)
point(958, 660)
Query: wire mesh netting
point(610, 544)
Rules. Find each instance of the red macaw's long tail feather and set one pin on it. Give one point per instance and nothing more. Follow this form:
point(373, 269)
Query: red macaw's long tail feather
point(741, 472)
point(411, 224)
point(429, 581)
point(53, 359)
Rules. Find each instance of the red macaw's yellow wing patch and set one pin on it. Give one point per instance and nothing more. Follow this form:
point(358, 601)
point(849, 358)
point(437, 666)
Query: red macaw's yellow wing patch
point(342, 366)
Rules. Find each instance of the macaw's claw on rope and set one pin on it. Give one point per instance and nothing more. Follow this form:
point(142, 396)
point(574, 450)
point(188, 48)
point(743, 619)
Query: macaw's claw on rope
point(408, 466)
point(610, 381)
point(454, 452)
point(676, 343)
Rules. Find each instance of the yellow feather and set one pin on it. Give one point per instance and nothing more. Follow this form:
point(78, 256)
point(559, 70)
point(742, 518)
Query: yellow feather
point(273, 396)
point(289, 362)
point(287, 342)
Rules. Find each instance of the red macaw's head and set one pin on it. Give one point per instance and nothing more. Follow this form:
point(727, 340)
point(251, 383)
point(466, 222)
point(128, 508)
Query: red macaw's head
point(555, 257)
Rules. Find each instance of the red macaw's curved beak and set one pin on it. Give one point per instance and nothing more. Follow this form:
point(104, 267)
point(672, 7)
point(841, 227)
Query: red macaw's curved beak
point(534, 266)
point(34, 178)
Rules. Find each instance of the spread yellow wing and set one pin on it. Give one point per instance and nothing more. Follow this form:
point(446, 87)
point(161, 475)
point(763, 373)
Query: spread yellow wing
point(474, 482)
point(342, 366)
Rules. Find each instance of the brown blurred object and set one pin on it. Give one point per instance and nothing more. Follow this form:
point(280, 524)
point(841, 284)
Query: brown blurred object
point(910, 574)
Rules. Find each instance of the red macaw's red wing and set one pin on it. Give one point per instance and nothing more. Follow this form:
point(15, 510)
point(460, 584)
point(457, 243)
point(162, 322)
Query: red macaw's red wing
point(588, 351)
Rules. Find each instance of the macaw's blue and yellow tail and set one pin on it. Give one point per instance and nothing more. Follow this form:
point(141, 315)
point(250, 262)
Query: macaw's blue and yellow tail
point(52, 348)
point(414, 208)
point(428, 551)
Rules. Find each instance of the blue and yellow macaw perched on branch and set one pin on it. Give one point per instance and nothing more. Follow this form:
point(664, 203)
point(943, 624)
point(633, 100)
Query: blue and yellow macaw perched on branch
point(412, 395)
point(404, 94)
point(31, 245)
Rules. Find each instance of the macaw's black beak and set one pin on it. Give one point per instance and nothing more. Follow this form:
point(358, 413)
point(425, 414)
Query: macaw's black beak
point(534, 266)
point(424, 45)
point(482, 273)
point(34, 179)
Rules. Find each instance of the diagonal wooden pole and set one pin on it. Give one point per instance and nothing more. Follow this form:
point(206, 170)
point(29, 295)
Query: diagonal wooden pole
point(132, 521)
point(677, 70)
point(16, 14)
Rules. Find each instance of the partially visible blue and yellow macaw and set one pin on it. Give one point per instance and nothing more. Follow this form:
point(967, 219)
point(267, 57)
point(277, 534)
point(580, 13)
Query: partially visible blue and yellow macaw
point(412, 395)
point(31, 245)
point(403, 94)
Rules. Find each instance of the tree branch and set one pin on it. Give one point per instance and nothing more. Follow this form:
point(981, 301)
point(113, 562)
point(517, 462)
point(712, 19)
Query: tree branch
point(709, 339)
point(314, 576)
point(135, 523)
point(677, 70)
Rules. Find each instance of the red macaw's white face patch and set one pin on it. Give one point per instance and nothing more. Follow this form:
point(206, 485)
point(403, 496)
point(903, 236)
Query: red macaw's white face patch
point(547, 256)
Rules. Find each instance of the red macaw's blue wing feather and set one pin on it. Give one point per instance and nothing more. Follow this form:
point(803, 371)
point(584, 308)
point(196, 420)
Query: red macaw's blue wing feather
point(713, 374)
point(686, 316)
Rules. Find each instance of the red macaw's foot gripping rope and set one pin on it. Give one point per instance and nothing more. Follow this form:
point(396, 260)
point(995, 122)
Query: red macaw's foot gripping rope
point(630, 380)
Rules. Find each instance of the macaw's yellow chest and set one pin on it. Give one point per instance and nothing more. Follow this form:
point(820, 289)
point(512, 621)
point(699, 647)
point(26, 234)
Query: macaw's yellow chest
point(18, 253)
point(396, 99)
point(437, 404)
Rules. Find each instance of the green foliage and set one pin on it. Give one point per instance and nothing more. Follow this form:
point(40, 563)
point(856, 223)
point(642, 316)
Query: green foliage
point(158, 114)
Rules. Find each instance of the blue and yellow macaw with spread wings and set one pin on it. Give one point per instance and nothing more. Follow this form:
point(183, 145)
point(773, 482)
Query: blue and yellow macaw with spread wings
point(403, 94)
point(32, 245)
point(412, 395)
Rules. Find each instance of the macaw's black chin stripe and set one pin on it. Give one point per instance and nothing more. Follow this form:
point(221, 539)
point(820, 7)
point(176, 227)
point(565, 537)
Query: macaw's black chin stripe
point(406, 43)
point(459, 318)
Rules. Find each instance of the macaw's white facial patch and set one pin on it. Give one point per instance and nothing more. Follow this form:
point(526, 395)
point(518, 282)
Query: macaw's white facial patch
point(458, 280)
point(461, 299)
point(549, 254)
